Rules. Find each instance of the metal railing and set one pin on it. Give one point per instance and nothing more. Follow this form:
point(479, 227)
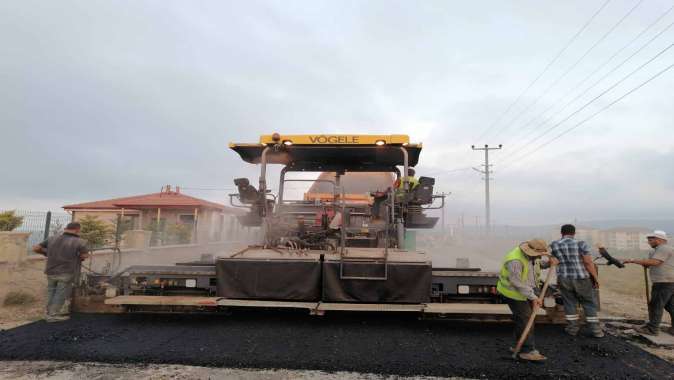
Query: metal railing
point(41, 224)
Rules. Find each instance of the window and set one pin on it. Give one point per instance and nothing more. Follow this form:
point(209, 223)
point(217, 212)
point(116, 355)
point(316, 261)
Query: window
point(186, 218)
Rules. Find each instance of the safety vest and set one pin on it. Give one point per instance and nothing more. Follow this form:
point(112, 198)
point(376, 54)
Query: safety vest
point(412, 181)
point(503, 286)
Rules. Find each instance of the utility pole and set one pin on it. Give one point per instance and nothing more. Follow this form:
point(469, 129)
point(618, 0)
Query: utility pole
point(444, 195)
point(443, 219)
point(486, 172)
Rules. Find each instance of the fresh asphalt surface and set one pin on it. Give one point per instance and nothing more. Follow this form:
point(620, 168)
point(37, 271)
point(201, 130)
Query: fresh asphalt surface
point(371, 343)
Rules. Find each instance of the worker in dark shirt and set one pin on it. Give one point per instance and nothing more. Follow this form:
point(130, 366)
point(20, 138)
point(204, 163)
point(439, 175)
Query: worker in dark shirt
point(64, 254)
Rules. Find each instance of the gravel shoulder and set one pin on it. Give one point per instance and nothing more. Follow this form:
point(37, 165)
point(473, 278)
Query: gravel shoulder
point(36, 370)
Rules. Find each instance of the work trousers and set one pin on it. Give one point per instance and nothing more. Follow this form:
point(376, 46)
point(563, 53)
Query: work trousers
point(59, 289)
point(575, 291)
point(662, 298)
point(521, 312)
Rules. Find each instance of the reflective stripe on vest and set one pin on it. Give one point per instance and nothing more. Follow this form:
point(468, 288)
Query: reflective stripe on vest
point(503, 286)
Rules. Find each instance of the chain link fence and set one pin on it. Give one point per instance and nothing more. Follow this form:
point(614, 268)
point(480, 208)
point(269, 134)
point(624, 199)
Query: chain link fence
point(41, 224)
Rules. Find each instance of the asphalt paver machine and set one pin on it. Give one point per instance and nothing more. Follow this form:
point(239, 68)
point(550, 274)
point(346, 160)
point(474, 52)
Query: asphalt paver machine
point(345, 244)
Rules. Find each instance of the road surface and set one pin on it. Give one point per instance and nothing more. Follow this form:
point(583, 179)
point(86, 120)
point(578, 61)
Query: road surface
point(364, 343)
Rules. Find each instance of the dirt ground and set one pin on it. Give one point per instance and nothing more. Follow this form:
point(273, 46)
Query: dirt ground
point(26, 277)
point(622, 290)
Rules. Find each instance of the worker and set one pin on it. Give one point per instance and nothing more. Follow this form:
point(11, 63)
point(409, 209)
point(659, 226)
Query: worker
point(411, 180)
point(577, 280)
point(64, 253)
point(660, 264)
point(518, 283)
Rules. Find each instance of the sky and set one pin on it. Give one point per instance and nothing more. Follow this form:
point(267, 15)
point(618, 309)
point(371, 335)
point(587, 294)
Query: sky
point(102, 99)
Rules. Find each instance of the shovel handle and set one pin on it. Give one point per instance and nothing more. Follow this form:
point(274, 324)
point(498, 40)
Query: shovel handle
point(532, 317)
point(648, 293)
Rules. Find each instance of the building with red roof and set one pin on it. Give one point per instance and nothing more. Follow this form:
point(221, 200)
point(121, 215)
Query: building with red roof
point(208, 221)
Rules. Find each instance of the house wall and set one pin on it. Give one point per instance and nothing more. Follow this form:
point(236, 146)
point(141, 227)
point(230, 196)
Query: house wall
point(109, 216)
point(13, 246)
point(212, 225)
point(205, 225)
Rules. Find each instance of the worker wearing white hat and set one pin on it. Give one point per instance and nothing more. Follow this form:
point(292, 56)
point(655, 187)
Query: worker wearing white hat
point(660, 264)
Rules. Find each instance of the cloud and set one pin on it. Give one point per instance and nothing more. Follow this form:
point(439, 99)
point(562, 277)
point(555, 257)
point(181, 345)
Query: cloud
point(110, 99)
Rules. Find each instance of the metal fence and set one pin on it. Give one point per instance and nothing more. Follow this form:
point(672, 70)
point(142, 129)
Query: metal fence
point(37, 222)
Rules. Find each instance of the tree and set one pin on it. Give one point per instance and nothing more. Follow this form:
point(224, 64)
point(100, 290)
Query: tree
point(158, 228)
point(9, 221)
point(95, 232)
point(121, 225)
point(180, 233)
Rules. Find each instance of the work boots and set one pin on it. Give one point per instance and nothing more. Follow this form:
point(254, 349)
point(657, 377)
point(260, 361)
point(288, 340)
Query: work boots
point(572, 328)
point(57, 318)
point(532, 356)
point(647, 330)
point(595, 330)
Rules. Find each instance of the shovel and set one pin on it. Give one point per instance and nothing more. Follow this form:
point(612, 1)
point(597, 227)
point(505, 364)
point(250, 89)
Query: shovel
point(525, 334)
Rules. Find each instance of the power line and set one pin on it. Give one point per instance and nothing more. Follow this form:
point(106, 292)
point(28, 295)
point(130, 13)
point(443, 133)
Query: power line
point(605, 75)
point(208, 188)
point(590, 102)
point(573, 66)
point(600, 110)
point(601, 66)
point(443, 172)
point(547, 67)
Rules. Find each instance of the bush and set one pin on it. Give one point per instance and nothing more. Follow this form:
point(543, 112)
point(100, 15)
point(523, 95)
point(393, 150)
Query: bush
point(96, 232)
point(158, 229)
point(9, 221)
point(18, 298)
point(121, 225)
point(179, 233)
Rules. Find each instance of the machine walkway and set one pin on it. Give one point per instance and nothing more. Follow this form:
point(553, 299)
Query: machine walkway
point(317, 308)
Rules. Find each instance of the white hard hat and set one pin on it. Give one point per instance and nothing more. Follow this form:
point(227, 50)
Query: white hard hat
point(657, 234)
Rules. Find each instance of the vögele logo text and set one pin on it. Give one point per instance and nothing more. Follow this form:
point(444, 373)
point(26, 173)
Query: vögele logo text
point(324, 139)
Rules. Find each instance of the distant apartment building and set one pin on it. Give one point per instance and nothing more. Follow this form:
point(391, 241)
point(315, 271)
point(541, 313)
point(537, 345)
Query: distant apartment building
point(626, 238)
point(621, 238)
point(590, 235)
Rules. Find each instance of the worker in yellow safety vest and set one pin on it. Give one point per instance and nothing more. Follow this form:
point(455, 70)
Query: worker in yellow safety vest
point(411, 180)
point(518, 283)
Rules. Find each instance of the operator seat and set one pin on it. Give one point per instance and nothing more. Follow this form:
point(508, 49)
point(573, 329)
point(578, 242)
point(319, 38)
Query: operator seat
point(423, 193)
point(247, 193)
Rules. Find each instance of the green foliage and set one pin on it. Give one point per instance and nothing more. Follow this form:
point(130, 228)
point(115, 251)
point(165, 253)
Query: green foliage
point(9, 221)
point(123, 224)
point(179, 233)
point(163, 234)
point(56, 228)
point(96, 232)
point(18, 298)
point(157, 228)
